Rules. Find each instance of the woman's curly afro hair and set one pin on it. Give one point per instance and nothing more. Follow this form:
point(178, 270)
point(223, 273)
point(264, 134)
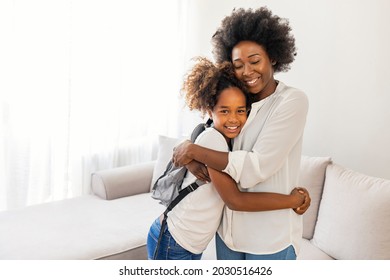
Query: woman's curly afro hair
point(205, 81)
point(259, 26)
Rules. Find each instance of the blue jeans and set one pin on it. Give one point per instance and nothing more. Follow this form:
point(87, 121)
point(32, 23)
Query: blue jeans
point(225, 253)
point(169, 249)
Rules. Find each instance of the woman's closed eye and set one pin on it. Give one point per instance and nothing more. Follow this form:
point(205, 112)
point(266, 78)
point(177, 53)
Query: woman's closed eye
point(238, 66)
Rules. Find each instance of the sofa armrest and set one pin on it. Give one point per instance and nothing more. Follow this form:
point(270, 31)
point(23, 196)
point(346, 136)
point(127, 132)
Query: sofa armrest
point(122, 181)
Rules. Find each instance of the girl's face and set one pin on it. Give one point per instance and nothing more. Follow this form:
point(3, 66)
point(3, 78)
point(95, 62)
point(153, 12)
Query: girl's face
point(253, 66)
point(229, 114)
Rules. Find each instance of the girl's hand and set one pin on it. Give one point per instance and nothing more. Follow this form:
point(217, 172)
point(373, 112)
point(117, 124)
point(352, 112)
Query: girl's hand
point(180, 154)
point(306, 202)
point(199, 170)
point(298, 198)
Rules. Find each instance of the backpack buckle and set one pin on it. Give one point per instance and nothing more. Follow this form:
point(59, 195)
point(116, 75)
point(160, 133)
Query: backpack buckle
point(193, 186)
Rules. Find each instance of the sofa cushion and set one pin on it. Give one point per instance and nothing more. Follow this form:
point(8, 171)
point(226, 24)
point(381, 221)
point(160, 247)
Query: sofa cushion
point(164, 155)
point(354, 216)
point(312, 177)
point(309, 251)
point(85, 227)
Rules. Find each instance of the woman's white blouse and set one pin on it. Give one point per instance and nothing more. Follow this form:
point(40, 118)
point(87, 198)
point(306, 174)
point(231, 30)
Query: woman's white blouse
point(266, 158)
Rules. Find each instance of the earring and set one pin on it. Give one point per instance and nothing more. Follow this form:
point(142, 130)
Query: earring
point(273, 62)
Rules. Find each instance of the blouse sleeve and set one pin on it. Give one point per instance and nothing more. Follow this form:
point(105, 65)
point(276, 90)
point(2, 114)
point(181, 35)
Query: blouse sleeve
point(278, 137)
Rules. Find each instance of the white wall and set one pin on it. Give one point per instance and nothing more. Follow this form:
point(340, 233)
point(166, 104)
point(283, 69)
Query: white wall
point(342, 64)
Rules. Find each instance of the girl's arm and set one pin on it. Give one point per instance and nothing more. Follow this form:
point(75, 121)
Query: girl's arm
point(201, 172)
point(252, 201)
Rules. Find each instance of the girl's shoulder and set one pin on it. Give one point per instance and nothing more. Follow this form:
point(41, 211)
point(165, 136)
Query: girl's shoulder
point(212, 139)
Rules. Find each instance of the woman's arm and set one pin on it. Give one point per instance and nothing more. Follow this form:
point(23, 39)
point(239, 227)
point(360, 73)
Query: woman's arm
point(270, 150)
point(252, 201)
point(186, 151)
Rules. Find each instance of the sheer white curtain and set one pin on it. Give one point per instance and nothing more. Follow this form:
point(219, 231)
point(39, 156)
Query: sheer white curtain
point(84, 85)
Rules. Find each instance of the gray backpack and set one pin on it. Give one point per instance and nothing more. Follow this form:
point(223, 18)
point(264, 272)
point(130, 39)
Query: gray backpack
point(168, 186)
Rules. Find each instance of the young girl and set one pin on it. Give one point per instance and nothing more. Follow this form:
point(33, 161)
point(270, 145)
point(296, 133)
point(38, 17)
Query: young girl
point(213, 90)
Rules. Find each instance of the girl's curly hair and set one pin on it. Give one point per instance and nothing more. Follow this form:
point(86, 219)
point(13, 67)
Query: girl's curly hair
point(205, 81)
point(259, 26)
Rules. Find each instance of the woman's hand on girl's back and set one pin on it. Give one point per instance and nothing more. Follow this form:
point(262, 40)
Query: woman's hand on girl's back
point(180, 155)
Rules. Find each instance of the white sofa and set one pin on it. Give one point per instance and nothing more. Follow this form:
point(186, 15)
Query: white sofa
point(349, 217)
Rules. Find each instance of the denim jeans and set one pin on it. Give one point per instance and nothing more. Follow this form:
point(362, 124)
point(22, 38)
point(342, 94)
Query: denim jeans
point(169, 249)
point(225, 253)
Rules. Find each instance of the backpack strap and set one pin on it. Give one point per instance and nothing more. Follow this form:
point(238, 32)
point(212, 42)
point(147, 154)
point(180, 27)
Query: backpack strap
point(182, 194)
point(190, 188)
point(199, 129)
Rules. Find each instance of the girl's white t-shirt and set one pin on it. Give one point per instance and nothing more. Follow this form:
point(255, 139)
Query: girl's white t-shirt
point(194, 221)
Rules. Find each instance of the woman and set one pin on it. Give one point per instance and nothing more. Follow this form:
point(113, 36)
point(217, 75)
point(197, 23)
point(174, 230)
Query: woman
point(266, 155)
point(192, 223)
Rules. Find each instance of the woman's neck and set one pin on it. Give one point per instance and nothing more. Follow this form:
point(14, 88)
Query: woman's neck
point(267, 91)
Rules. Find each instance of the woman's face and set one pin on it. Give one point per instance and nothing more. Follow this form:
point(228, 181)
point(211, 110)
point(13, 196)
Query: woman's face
point(253, 66)
point(229, 114)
